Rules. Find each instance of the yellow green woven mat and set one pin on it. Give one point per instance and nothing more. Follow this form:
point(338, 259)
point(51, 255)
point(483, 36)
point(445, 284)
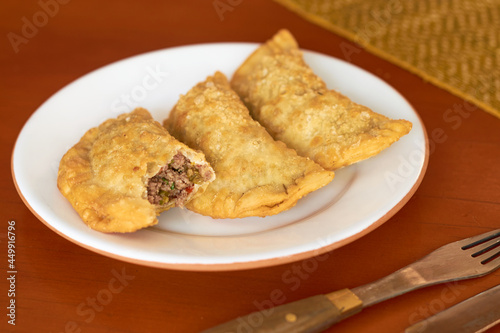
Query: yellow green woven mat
point(454, 44)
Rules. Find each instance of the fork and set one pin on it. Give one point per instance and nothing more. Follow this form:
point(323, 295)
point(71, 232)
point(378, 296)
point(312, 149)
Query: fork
point(468, 258)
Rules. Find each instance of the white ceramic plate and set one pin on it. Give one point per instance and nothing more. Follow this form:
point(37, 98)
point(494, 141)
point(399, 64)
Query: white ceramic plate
point(360, 198)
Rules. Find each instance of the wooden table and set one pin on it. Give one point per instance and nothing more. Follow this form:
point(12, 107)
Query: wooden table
point(62, 287)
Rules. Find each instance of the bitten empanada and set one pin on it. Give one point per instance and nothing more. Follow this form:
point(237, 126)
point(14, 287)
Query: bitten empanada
point(256, 175)
point(296, 107)
point(123, 173)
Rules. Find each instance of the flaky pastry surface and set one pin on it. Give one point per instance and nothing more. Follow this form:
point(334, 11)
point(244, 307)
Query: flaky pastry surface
point(256, 175)
point(296, 107)
point(104, 175)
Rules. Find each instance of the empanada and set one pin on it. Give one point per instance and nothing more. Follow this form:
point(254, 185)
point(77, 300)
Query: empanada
point(256, 175)
point(296, 107)
point(123, 173)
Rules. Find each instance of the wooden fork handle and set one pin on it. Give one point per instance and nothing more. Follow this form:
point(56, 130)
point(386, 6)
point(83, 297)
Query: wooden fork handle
point(310, 315)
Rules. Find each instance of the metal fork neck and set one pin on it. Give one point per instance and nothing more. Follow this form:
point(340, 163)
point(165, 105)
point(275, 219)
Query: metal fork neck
point(395, 284)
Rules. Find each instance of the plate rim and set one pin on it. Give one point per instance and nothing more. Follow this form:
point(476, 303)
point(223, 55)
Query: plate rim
point(243, 264)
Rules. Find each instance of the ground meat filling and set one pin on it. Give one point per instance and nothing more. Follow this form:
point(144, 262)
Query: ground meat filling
point(176, 180)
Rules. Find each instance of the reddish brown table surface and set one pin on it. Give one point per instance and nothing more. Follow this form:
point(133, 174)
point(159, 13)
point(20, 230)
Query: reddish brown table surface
point(58, 282)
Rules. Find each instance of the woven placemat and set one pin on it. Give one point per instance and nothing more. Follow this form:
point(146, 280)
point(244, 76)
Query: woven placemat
point(455, 44)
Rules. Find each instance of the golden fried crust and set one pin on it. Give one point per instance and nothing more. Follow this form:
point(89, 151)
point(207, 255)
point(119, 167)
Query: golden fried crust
point(256, 176)
point(296, 107)
point(104, 175)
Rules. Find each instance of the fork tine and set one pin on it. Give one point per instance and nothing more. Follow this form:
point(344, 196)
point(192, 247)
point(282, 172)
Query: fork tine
point(483, 246)
point(487, 247)
point(479, 239)
point(494, 260)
